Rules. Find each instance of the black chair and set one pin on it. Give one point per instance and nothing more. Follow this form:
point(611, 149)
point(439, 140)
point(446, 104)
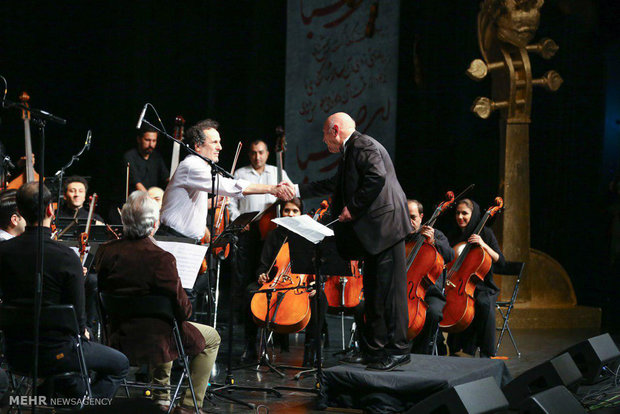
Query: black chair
point(19, 320)
point(122, 308)
point(511, 269)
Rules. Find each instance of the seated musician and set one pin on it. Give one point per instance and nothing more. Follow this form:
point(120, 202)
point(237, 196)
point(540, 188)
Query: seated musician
point(74, 192)
point(423, 343)
point(62, 284)
point(12, 224)
point(271, 248)
point(146, 166)
point(135, 265)
point(481, 332)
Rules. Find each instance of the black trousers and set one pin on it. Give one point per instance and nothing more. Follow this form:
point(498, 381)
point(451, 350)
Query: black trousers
point(481, 332)
point(385, 293)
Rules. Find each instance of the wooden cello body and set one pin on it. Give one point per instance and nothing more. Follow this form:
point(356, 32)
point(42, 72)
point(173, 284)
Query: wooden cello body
point(424, 266)
point(468, 269)
point(345, 292)
point(289, 310)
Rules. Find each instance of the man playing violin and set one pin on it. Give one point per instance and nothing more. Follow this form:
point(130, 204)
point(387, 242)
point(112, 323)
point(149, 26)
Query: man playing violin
point(74, 192)
point(423, 343)
point(373, 223)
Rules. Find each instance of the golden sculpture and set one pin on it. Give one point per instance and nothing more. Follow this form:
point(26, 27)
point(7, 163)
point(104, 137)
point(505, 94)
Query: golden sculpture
point(506, 29)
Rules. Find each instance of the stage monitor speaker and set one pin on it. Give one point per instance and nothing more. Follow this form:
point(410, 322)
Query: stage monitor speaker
point(476, 397)
point(560, 370)
point(592, 355)
point(556, 400)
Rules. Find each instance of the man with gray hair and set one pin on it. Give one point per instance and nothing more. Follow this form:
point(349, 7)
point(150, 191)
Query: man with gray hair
point(136, 266)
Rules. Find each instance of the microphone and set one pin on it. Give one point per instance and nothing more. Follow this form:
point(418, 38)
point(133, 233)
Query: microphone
point(139, 124)
point(7, 164)
point(89, 136)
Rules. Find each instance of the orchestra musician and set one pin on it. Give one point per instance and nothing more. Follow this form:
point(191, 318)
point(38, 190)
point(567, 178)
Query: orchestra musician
point(74, 192)
point(259, 172)
point(318, 306)
point(185, 204)
point(373, 224)
point(135, 265)
point(12, 224)
point(423, 343)
point(481, 332)
point(146, 166)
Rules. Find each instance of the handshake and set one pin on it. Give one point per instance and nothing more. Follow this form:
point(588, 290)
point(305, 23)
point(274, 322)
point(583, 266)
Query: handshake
point(285, 191)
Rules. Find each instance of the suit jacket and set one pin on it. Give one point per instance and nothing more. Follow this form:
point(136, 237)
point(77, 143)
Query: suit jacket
point(140, 267)
point(366, 184)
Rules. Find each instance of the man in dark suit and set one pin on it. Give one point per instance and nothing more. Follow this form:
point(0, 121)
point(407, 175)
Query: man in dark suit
point(373, 224)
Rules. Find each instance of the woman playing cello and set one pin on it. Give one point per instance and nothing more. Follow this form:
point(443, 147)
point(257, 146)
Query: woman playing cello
point(274, 241)
point(481, 332)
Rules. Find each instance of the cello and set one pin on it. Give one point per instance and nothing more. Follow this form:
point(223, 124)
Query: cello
point(29, 173)
point(265, 225)
point(424, 266)
point(469, 267)
point(289, 310)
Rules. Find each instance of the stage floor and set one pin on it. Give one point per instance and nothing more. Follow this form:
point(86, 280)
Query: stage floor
point(536, 346)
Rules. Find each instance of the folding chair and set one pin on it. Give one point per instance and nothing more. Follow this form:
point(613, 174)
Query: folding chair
point(19, 320)
point(122, 308)
point(512, 269)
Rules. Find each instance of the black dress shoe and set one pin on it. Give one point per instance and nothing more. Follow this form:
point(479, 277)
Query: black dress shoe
point(389, 362)
point(359, 357)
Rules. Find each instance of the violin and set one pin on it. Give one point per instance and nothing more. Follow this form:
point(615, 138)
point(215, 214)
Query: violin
point(265, 225)
point(179, 131)
point(84, 236)
point(289, 310)
point(468, 268)
point(29, 174)
point(424, 266)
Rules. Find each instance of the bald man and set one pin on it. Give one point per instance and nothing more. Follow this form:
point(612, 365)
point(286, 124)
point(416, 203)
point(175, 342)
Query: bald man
point(373, 223)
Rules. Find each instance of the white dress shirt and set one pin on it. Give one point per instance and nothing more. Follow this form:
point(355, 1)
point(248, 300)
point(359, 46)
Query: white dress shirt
point(185, 204)
point(5, 235)
point(255, 202)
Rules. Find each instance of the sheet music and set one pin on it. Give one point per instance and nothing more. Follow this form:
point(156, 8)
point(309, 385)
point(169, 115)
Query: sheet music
point(189, 258)
point(306, 227)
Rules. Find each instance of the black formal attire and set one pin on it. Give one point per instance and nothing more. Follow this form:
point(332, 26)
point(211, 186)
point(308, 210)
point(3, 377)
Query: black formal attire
point(62, 284)
point(435, 299)
point(481, 331)
point(366, 184)
point(65, 212)
point(151, 172)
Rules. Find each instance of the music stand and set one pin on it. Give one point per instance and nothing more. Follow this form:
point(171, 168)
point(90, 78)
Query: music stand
point(230, 236)
point(325, 261)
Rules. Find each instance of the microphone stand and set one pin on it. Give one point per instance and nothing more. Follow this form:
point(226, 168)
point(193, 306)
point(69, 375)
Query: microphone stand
point(40, 117)
point(60, 173)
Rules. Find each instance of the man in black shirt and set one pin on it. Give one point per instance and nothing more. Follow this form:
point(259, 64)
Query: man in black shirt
point(423, 343)
point(146, 166)
point(62, 284)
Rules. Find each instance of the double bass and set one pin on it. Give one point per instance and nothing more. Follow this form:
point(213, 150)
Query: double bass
point(424, 266)
point(469, 267)
point(29, 173)
point(265, 225)
point(179, 131)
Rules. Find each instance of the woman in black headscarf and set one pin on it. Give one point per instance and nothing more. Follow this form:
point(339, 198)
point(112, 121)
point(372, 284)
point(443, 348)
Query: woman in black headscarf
point(481, 332)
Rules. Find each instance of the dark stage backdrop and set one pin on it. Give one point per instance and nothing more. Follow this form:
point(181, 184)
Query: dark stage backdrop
point(97, 66)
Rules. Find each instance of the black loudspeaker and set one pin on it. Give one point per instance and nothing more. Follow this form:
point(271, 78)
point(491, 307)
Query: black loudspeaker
point(560, 370)
point(556, 400)
point(476, 397)
point(592, 355)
